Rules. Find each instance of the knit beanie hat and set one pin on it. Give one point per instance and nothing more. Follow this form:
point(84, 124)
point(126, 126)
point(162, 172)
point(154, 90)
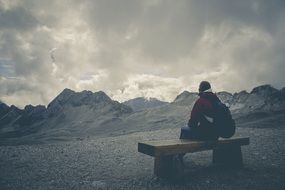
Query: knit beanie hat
point(204, 85)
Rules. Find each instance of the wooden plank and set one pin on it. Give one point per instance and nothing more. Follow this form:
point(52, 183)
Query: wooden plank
point(177, 146)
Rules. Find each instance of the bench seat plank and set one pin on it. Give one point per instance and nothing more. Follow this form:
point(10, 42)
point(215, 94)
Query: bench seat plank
point(177, 146)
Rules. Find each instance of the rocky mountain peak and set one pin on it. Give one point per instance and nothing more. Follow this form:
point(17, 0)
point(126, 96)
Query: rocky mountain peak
point(89, 98)
point(3, 105)
point(225, 97)
point(240, 94)
point(264, 90)
point(65, 94)
point(224, 93)
point(185, 98)
point(142, 103)
point(34, 109)
point(243, 92)
point(4, 109)
point(101, 96)
point(60, 100)
point(184, 95)
point(70, 98)
point(67, 91)
point(15, 109)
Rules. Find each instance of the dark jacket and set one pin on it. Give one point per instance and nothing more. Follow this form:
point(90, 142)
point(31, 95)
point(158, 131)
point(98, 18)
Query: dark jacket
point(203, 107)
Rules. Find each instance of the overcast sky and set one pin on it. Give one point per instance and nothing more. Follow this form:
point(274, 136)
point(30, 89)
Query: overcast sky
point(131, 48)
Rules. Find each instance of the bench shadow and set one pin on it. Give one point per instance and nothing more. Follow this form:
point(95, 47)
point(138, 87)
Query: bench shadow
point(201, 174)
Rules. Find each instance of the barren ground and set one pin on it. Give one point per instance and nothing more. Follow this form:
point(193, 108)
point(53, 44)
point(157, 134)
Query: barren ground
point(114, 163)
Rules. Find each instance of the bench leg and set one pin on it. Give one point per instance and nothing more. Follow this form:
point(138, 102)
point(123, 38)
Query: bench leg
point(229, 156)
point(170, 166)
point(163, 166)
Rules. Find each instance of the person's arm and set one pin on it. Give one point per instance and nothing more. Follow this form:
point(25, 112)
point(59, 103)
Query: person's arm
point(195, 114)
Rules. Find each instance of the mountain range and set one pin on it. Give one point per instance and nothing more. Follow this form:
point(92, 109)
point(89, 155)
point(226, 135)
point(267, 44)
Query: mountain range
point(142, 103)
point(77, 115)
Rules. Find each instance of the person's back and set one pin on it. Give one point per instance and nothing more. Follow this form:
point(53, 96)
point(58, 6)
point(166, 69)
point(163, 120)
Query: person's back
point(200, 125)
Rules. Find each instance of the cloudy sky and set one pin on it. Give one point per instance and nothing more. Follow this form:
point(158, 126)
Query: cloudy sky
point(131, 48)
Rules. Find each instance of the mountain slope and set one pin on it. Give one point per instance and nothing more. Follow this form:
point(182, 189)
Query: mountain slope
point(70, 114)
point(141, 103)
point(81, 114)
point(185, 98)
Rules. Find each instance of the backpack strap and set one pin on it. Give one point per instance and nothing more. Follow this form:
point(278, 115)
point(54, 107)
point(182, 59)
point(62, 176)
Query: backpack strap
point(209, 119)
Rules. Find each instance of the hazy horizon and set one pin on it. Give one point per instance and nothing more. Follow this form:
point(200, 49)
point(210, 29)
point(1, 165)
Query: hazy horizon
point(132, 48)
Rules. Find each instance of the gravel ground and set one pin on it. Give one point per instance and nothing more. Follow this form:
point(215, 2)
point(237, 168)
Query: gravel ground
point(114, 163)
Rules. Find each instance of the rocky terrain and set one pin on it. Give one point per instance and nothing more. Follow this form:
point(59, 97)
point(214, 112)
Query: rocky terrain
point(73, 115)
point(114, 163)
point(70, 114)
point(85, 140)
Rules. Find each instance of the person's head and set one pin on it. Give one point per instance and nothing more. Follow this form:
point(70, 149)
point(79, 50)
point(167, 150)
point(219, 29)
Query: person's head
point(204, 85)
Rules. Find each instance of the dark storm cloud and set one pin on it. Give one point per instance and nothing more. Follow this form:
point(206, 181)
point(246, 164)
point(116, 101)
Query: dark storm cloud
point(151, 47)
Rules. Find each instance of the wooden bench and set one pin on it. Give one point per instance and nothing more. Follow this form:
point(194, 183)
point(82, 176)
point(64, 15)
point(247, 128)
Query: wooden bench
point(226, 152)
